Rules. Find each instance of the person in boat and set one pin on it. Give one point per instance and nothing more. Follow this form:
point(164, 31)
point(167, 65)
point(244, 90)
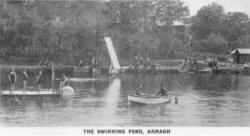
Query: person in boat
point(139, 89)
point(24, 78)
point(12, 79)
point(163, 91)
point(38, 79)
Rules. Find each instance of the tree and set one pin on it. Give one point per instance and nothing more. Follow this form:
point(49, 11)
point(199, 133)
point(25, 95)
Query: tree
point(216, 44)
point(176, 48)
point(209, 19)
point(235, 25)
point(244, 42)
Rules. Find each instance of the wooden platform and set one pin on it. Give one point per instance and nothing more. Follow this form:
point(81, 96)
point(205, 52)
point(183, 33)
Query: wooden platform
point(42, 92)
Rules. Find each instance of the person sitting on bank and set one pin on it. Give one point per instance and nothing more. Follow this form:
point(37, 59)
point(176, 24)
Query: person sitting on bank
point(139, 89)
point(38, 79)
point(12, 79)
point(24, 78)
point(163, 91)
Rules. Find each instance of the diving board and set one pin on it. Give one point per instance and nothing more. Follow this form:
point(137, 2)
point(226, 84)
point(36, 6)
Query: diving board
point(115, 66)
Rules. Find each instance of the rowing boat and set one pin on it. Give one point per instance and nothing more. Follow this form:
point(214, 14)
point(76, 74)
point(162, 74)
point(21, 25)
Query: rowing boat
point(146, 99)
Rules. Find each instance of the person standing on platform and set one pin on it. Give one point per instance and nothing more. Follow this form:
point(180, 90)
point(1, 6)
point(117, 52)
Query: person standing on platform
point(38, 79)
point(64, 80)
point(24, 78)
point(12, 79)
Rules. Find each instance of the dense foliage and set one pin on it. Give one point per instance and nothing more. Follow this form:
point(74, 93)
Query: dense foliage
point(69, 31)
point(72, 30)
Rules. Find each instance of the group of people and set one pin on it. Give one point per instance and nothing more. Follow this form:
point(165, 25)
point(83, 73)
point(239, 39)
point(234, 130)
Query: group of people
point(44, 63)
point(24, 77)
point(162, 91)
point(140, 61)
point(212, 62)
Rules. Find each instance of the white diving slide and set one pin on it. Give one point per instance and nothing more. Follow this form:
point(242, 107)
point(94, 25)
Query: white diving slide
point(113, 57)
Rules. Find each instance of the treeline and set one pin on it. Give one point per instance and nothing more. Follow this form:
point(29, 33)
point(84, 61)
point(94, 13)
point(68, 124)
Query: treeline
point(69, 31)
point(218, 32)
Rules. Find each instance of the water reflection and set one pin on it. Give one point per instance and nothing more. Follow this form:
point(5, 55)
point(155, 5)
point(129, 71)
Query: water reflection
point(204, 100)
point(111, 100)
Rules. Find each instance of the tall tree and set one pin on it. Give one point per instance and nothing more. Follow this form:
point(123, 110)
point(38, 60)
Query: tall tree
point(209, 19)
point(235, 25)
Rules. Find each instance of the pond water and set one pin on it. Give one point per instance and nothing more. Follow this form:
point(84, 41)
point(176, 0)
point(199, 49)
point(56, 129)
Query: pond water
point(203, 100)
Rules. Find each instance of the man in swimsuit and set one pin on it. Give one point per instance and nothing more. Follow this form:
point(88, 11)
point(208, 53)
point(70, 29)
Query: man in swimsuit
point(12, 79)
point(38, 79)
point(24, 78)
point(64, 80)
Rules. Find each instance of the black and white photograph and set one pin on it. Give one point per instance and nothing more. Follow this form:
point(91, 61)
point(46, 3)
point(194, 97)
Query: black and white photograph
point(124, 63)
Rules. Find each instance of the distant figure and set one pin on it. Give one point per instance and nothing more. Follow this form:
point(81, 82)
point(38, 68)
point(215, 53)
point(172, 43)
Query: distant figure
point(80, 63)
point(245, 65)
point(136, 61)
point(141, 60)
point(38, 79)
point(94, 65)
point(163, 91)
point(12, 79)
point(64, 81)
point(118, 14)
point(41, 63)
point(24, 78)
point(147, 63)
point(139, 89)
point(46, 63)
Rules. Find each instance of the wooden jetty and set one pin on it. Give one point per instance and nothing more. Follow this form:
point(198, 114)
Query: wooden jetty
point(23, 92)
point(32, 91)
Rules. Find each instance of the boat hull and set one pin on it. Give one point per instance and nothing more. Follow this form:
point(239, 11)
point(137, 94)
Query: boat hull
point(152, 100)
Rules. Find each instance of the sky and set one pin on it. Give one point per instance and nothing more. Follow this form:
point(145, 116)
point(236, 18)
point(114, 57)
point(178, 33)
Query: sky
point(229, 5)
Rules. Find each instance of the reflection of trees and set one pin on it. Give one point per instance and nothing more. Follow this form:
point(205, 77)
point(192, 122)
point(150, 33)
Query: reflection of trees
point(212, 82)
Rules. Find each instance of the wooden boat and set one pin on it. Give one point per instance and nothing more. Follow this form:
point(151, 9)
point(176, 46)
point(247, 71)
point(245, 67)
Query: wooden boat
point(146, 99)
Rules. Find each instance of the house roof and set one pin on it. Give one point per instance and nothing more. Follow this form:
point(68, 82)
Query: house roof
point(241, 51)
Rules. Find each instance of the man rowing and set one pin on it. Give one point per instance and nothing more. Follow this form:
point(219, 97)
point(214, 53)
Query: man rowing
point(12, 79)
point(139, 89)
point(163, 91)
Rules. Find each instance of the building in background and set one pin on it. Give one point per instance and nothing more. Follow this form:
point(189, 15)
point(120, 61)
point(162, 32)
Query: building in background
point(241, 56)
